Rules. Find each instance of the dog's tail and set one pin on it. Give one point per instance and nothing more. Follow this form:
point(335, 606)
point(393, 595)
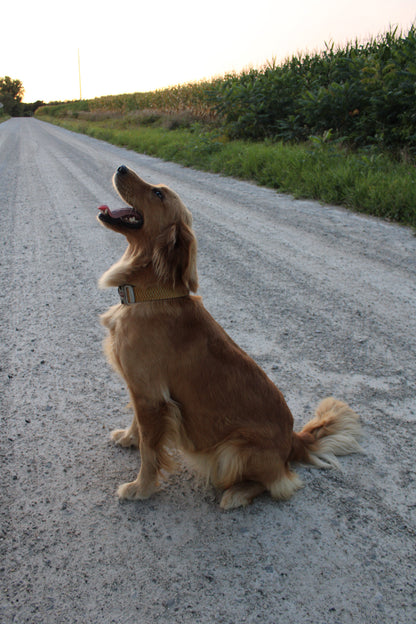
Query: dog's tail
point(335, 430)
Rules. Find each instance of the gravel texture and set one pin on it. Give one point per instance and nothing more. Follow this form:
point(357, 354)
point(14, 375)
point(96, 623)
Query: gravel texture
point(323, 299)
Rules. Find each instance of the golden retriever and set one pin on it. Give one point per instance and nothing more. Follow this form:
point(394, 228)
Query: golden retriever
point(191, 387)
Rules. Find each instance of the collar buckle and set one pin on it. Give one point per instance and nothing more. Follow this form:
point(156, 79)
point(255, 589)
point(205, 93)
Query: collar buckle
point(126, 293)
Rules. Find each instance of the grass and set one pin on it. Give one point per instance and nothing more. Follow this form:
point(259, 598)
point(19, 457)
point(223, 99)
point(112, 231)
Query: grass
point(365, 181)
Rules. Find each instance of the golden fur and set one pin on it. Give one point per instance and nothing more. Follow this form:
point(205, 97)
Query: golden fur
point(191, 387)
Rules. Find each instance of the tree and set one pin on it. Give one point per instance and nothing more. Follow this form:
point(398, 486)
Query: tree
point(11, 94)
point(28, 110)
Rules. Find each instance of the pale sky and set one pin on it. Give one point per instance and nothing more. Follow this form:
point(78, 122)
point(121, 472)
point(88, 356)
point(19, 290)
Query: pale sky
point(135, 45)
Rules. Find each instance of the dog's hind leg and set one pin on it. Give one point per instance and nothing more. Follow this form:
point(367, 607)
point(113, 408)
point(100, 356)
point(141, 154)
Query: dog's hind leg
point(241, 494)
point(285, 485)
point(261, 470)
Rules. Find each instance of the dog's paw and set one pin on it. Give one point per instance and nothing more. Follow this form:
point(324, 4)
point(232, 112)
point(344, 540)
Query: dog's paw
point(124, 437)
point(134, 491)
point(232, 499)
point(241, 494)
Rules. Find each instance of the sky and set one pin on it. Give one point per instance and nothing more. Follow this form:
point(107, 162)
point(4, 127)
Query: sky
point(135, 45)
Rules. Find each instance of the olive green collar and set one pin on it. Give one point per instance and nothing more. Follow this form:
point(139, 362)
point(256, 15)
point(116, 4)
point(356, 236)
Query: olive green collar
point(134, 294)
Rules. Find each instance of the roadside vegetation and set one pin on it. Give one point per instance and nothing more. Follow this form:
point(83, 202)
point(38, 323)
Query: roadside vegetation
point(11, 105)
point(338, 126)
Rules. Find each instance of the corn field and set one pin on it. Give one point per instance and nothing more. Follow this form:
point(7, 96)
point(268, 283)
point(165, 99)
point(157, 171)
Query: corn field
point(363, 95)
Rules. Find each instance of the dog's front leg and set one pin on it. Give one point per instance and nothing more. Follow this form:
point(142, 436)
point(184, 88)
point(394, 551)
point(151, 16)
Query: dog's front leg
point(127, 437)
point(146, 483)
point(151, 418)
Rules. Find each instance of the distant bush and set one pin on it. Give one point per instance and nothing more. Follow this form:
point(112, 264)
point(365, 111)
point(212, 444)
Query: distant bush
point(28, 110)
point(63, 109)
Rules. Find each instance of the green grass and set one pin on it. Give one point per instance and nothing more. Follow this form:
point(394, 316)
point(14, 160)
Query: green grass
point(366, 180)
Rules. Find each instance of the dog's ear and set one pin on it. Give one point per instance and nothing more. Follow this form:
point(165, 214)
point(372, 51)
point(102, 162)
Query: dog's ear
point(174, 256)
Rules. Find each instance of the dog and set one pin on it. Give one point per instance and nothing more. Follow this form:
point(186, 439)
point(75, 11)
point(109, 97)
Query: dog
point(191, 387)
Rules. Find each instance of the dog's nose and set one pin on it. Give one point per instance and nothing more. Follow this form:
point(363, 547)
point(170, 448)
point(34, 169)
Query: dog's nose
point(122, 170)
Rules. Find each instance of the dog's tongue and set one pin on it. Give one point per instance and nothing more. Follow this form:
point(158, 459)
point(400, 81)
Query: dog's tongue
point(118, 213)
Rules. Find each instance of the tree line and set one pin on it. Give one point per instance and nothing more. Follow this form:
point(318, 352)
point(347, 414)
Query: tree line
point(11, 95)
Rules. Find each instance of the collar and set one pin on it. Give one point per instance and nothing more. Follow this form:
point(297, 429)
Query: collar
point(133, 294)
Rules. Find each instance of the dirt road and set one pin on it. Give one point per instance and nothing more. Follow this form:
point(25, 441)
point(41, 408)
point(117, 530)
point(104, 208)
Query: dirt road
point(325, 302)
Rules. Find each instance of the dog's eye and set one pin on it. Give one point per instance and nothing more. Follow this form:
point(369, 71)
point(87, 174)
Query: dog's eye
point(158, 193)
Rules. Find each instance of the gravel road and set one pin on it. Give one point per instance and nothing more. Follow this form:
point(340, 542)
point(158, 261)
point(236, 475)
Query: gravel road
point(323, 299)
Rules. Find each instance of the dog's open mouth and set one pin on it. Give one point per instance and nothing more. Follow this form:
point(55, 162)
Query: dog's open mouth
point(122, 216)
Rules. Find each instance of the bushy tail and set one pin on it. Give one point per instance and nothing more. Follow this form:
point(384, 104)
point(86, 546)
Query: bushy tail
point(335, 430)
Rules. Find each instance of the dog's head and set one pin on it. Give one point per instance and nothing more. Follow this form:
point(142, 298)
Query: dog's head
point(158, 227)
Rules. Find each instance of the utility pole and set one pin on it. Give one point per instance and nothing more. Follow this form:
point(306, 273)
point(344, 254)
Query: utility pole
point(79, 76)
